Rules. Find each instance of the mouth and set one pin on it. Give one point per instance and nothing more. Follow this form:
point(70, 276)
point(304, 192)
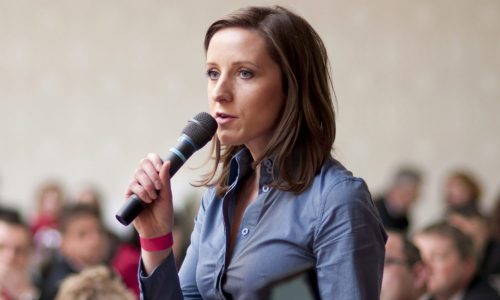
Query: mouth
point(223, 115)
point(223, 118)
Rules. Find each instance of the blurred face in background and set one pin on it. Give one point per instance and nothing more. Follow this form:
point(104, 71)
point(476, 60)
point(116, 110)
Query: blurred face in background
point(83, 241)
point(448, 272)
point(458, 192)
point(15, 247)
point(400, 281)
point(402, 196)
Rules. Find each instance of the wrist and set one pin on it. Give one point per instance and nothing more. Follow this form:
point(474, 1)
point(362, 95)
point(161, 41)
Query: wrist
point(159, 243)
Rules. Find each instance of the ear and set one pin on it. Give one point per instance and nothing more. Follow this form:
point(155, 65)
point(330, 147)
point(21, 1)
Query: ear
point(421, 274)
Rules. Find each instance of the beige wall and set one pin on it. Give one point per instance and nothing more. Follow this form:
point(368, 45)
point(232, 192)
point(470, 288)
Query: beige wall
point(88, 87)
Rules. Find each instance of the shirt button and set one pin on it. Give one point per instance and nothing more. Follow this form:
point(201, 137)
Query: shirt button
point(244, 231)
point(268, 163)
point(265, 189)
point(269, 170)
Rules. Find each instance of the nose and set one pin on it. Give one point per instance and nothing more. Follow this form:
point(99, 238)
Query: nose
point(221, 89)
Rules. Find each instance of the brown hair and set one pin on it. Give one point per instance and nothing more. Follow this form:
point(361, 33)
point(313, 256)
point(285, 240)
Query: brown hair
point(470, 182)
point(306, 131)
point(463, 243)
point(94, 283)
point(75, 211)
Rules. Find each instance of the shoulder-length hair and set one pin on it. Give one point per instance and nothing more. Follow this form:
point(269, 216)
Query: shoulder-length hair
point(305, 133)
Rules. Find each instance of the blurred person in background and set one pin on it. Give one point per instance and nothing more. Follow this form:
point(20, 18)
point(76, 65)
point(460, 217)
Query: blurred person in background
point(471, 222)
point(461, 190)
point(451, 259)
point(45, 223)
point(395, 205)
point(404, 272)
point(83, 245)
point(95, 283)
point(15, 257)
point(90, 195)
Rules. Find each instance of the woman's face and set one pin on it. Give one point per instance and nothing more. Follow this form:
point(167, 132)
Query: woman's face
point(244, 88)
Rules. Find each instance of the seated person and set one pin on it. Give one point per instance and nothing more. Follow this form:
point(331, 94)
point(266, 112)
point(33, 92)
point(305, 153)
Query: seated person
point(395, 205)
point(82, 245)
point(404, 272)
point(471, 222)
point(450, 256)
point(15, 254)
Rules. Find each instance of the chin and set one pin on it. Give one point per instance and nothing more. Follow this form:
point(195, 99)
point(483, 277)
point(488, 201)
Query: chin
point(228, 140)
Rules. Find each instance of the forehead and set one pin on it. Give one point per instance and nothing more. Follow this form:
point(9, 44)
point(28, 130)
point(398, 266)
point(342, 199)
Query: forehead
point(82, 222)
point(394, 245)
point(236, 43)
point(14, 234)
point(434, 242)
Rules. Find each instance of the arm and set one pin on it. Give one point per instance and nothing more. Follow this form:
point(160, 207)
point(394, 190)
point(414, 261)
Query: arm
point(157, 273)
point(163, 282)
point(349, 243)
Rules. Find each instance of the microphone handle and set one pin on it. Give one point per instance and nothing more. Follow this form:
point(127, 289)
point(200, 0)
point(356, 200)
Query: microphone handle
point(177, 157)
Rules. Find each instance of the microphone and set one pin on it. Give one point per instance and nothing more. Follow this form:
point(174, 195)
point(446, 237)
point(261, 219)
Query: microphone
point(199, 130)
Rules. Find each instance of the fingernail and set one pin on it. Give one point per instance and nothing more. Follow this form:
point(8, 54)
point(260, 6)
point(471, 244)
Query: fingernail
point(158, 185)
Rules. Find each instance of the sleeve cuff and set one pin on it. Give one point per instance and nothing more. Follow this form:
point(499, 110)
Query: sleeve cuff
point(162, 283)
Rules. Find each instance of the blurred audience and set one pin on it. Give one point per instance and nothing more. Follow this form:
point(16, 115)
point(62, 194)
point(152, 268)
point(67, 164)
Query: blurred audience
point(95, 283)
point(462, 190)
point(471, 222)
point(404, 272)
point(450, 256)
point(83, 245)
point(49, 204)
point(394, 206)
point(89, 195)
point(45, 223)
point(126, 262)
point(15, 258)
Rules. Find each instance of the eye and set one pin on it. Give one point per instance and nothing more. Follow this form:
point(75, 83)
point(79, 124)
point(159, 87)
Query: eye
point(246, 74)
point(212, 74)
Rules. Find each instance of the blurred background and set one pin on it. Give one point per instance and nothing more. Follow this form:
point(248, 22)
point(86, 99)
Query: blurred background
point(87, 88)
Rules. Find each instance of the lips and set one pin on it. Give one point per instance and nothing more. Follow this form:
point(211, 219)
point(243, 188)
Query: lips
point(223, 118)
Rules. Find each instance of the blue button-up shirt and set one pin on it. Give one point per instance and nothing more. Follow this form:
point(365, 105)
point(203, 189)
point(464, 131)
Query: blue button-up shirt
point(332, 225)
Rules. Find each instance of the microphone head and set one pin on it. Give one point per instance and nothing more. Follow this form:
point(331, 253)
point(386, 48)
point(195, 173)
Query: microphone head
point(201, 128)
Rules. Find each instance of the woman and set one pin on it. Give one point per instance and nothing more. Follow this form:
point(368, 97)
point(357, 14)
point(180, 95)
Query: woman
point(277, 199)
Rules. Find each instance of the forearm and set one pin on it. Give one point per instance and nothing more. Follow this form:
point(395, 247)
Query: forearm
point(151, 260)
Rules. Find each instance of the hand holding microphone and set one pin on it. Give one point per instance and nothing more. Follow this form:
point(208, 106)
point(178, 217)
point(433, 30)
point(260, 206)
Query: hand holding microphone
point(149, 193)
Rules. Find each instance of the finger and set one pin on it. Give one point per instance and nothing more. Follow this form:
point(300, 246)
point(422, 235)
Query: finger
point(139, 190)
point(146, 182)
point(156, 161)
point(129, 192)
point(165, 176)
point(150, 170)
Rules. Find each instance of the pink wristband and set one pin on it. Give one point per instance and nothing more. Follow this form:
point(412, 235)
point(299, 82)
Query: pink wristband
point(157, 244)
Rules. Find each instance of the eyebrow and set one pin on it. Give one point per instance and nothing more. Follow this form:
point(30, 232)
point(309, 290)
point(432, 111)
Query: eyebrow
point(239, 62)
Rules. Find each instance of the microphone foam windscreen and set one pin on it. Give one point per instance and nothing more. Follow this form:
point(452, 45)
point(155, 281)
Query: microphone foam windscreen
point(201, 128)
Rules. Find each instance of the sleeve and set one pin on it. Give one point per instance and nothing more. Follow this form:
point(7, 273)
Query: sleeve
point(164, 283)
point(349, 243)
